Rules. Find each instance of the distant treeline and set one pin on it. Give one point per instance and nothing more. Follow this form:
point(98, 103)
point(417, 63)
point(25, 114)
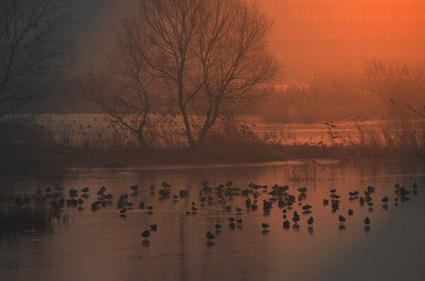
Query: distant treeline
point(352, 18)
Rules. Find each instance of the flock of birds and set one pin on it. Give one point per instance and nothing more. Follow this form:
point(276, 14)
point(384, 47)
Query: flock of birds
point(278, 195)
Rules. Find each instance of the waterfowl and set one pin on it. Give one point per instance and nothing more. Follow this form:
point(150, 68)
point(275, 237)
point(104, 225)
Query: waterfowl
point(302, 190)
point(335, 196)
point(205, 183)
point(134, 187)
point(341, 219)
point(146, 234)
point(238, 210)
point(370, 189)
point(310, 221)
point(286, 224)
point(333, 190)
point(229, 183)
point(123, 211)
point(335, 205)
point(166, 185)
point(164, 193)
point(306, 207)
point(325, 202)
point(153, 227)
point(350, 212)
point(296, 219)
point(194, 209)
point(267, 205)
point(366, 221)
point(183, 193)
point(149, 207)
point(210, 236)
point(217, 226)
point(85, 190)
point(248, 203)
point(264, 225)
point(58, 188)
point(239, 221)
point(385, 200)
point(109, 196)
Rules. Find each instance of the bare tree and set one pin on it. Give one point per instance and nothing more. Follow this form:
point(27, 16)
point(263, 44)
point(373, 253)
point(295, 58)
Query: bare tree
point(210, 56)
point(398, 83)
point(124, 89)
point(32, 48)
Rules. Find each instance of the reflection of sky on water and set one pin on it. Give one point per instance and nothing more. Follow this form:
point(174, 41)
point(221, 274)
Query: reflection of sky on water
point(103, 246)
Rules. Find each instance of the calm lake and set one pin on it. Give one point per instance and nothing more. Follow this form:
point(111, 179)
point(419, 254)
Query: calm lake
point(102, 245)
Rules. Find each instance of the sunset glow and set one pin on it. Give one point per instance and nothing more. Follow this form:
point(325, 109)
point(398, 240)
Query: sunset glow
point(204, 140)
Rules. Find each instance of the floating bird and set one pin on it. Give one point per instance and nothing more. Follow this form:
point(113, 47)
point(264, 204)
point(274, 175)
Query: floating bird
point(239, 221)
point(58, 188)
point(153, 227)
point(341, 219)
point(367, 221)
point(264, 225)
point(302, 190)
point(325, 202)
point(286, 224)
point(166, 185)
point(229, 183)
point(310, 221)
point(205, 183)
point(415, 185)
point(385, 200)
point(350, 212)
point(85, 190)
point(183, 193)
point(123, 211)
point(146, 234)
point(333, 190)
point(48, 189)
point(210, 236)
point(134, 187)
point(370, 189)
point(306, 207)
point(152, 187)
point(217, 226)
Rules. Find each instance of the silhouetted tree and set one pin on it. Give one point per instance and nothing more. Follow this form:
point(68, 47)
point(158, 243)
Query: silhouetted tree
point(32, 48)
point(208, 58)
point(399, 83)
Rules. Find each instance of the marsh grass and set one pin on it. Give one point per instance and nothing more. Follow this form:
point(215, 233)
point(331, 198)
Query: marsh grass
point(33, 215)
point(305, 172)
point(48, 150)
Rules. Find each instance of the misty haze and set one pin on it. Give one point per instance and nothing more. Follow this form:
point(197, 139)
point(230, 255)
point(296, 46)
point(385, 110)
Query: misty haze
point(212, 140)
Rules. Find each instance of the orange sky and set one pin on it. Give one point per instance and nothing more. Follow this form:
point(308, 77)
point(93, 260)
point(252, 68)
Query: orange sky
point(310, 35)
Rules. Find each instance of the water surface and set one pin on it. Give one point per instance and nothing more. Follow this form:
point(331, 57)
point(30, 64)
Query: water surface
point(101, 245)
